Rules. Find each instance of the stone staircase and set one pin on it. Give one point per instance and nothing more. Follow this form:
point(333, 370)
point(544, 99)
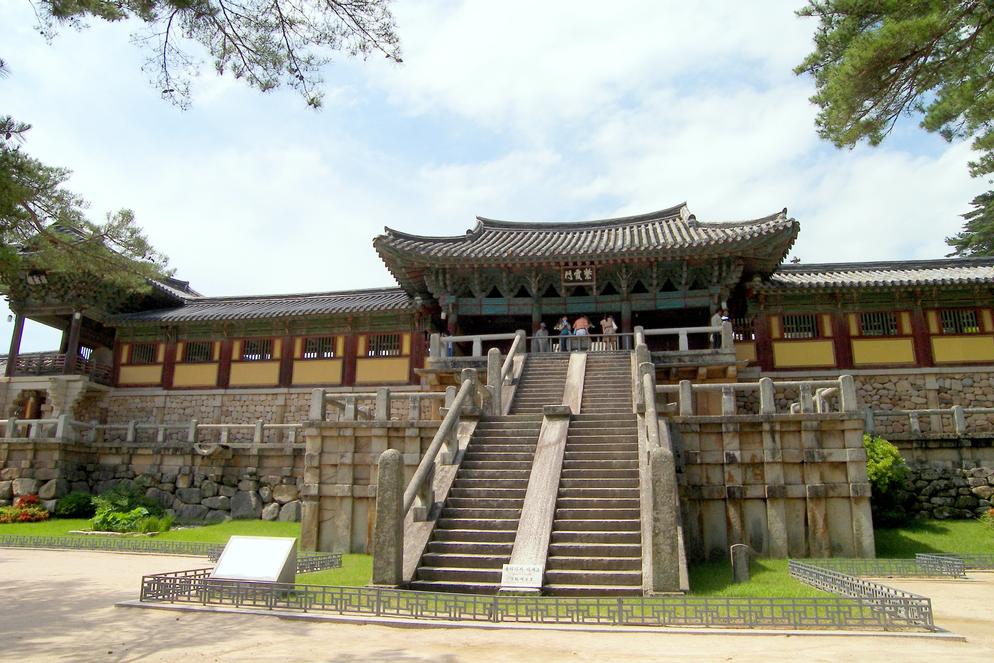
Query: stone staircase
point(596, 546)
point(475, 532)
point(541, 383)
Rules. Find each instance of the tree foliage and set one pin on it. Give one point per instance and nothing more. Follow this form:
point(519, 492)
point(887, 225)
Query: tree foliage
point(44, 230)
point(267, 43)
point(887, 473)
point(876, 61)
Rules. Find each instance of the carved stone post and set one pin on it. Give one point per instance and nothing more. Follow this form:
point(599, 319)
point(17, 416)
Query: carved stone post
point(388, 530)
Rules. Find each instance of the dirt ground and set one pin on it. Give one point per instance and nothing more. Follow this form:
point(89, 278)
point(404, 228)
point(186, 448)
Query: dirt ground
point(60, 606)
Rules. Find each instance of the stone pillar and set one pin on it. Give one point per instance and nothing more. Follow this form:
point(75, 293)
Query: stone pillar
point(388, 530)
point(15, 344)
point(816, 493)
point(740, 562)
point(72, 346)
point(494, 382)
point(776, 492)
point(664, 545)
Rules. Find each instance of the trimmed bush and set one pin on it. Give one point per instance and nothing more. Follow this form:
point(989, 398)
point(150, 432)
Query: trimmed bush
point(75, 505)
point(126, 509)
point(888, 473)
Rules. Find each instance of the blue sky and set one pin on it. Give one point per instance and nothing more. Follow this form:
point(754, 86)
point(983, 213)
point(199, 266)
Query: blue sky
point(510, 110)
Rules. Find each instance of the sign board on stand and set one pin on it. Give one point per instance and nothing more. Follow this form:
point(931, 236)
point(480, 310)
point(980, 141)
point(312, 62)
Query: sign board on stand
point(258, 558)
point(521, 576)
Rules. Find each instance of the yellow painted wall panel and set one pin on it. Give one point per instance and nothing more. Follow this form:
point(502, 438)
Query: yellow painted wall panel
point(797, 354)
point(360, 350)
point(745, 352)
point(905, 322)
point(340, 346)
point(195, 375)
point(775, 328)
point(853, 324)
point(962, 349)
point(933, 322)
point(236, 351)
point(179, 351)
point(826, 325)
point(298, 348)
point(317, 371)
point(382, 371)
point(405, 344)
point(160, 352)
point(277, 348)
point(988, 324)
point(868, 352)
point(125, 349)
point(148, 374)
point(255, 373)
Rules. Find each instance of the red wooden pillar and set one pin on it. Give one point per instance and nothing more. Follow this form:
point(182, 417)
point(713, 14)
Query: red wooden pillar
point(224, 366)
point(841, 339)
point(920, 337)
point(348, 370)
point(764, 343)
point(287, 350)
point(72, 347)
point(15, 345)
point(169, 365)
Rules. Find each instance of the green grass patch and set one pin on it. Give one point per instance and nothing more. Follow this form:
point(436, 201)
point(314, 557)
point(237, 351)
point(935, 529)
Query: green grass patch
point(217, 533)
point(356, 571)
point(767, 578)
point(53, 527)
point(934, 536)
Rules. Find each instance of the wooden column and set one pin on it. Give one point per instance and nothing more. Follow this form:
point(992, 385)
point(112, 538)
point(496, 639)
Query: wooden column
point(169, 364)
point(764, 343)
point(920, 334)
point(286, 360)
point(224, 365)
point(72, 346)
point(15, 345)
point(536, 314)
point(348, 370)
point(626, 316)
point(841, 339)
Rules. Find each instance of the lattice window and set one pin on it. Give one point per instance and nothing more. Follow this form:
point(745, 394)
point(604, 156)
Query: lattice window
point(743, 329)
point(198, 352)
point(257, 349)
point(383, 345)
point(878, 323)
point(800, 326)
point(959, 321)
point(319, 347)
point(85, 352)
point(144, 353)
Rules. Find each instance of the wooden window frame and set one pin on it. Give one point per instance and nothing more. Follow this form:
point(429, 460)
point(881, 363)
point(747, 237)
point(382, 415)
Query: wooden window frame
point(897, 324)
point(266, 352)
point(320, 353)
point(381, 355)
point(131, 353)
point(978, 319)
point(186, 352)
point(791, 336)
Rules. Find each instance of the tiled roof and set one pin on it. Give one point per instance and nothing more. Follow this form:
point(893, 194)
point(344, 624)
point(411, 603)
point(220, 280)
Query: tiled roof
point(893, 274)
point(275, 306)
point(669, 233)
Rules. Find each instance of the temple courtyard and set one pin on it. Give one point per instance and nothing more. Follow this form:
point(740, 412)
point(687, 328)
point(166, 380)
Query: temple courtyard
point(61, 605)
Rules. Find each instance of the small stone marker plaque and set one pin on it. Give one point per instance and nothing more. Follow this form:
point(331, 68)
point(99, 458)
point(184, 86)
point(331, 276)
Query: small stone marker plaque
point(522, 576)
point(258, 558)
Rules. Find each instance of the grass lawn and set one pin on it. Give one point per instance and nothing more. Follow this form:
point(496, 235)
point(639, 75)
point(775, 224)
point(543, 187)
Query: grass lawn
point(931, 536)
point(356, 571)
point(767, 577)
point(218, 533)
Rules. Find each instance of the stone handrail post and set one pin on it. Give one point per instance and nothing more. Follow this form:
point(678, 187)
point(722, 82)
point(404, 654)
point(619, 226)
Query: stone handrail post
point(848, 401)
point(319, 406)
point(382, 409)
point(450, 395)
point(435, 349)
point(959, 420)
point(643, 368)
point(686, 399)
point(388, 528)
point(11, 427)
point(642, 356)
point(728, 400)
point(494, 381)
point(96, 433)
point(413, 409)
point(683, 344)
point(225, 435)
point(191, 435)
point(767, 397)
point(870, 426)
point(651, 415)
point(132, 434)
point(424, 497)
point(259, 432)
point(160, 434)
point(727, 339)
point(805, 399)
point(914, 425)
point(639, 335)
point(477, 346)
point(63, 431)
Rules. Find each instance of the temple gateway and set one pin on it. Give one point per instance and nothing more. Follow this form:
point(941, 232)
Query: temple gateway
point(446, 425)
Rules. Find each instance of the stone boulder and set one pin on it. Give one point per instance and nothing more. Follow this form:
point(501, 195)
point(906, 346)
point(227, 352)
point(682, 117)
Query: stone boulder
point(216, 517)
point(208, 488)
point(284, 494)
point(271, 511)
point(49, 505)
point(246, 505)
point(25, 487)
point(290, 513)
point(219, 503)
point(266, 493)
point(188, 513)
point(189, 495)
point(6, 490)
point(52, 489)
point(161, 497)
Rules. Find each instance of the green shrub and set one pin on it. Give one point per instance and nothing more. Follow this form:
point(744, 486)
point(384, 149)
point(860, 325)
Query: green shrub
point(988, 518)
point(888, 474)
point(26, 509)
point(76, 504)
point(126, 509)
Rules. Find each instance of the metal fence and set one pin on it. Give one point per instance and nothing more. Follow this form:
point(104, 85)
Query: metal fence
point(895, 608)
point(922, 566)
point(885, 612)
point(971, 561)
point(306, 561)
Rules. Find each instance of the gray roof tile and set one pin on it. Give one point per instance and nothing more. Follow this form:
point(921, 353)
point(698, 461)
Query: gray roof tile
point(891, 274)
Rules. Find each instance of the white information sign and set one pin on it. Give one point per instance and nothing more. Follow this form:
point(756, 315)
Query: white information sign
point(260, 558)
point(527, 576)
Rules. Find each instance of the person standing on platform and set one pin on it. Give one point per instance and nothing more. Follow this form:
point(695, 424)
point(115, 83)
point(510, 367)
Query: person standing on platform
point(540, 342)
point(564, 332)
point(581, 328)
point(609, 329)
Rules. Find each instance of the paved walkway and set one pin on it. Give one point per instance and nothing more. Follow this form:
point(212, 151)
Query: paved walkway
point(59, 606)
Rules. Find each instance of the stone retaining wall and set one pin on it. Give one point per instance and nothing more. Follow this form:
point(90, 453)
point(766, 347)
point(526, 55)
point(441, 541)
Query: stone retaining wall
point(945, 492)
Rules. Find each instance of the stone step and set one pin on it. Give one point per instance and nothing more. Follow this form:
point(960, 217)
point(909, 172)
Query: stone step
point(569, 482)
point(499, 483)
point(478, 492)
point(620, 578)
point(488, 503)
point(593, 525)
point(455, 587)
point(602, 464)
point(591, 590)
point(596, 473)
point(598, 550)
point(470, 548)
point(469, 473)
point(497, 447)
point(599, 493)
point(582, 417)
point(608, 513)
point(570, 563)
point(474, 535)
point(594, 503)
point(458, 575)
point(586, 453)
point(592, 536)
point(470, 513)
point(499, 464)
point(480, 455)
point(466, 560)
point(502, 524)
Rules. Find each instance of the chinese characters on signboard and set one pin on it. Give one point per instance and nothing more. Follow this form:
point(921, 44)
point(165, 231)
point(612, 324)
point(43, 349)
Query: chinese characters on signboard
point(579, 275)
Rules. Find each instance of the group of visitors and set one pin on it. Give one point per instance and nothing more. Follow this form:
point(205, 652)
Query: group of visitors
point(576, 336)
